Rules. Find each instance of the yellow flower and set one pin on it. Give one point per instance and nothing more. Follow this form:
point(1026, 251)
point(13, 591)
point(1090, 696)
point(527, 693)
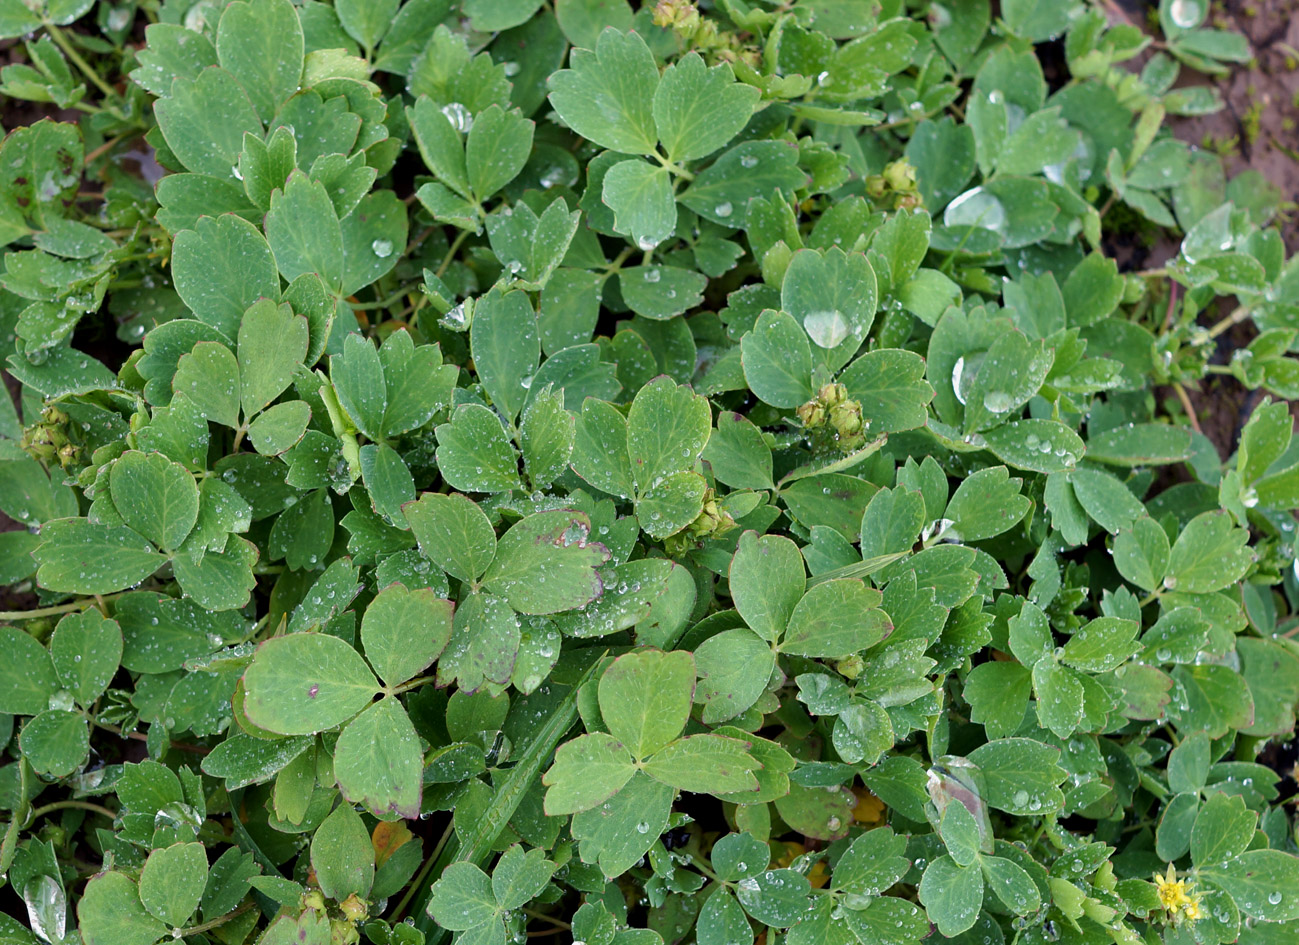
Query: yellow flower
point(1176, 897)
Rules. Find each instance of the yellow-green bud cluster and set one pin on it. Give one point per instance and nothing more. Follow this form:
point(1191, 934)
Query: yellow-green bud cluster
point(834, 420)
point(897, 183)
point(48, 440)
point(712, 521)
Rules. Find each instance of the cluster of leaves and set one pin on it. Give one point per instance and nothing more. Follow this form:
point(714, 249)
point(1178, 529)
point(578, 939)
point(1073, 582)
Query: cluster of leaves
point(495, 468)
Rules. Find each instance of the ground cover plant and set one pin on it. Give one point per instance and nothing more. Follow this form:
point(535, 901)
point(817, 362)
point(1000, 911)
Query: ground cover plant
point(505, 470)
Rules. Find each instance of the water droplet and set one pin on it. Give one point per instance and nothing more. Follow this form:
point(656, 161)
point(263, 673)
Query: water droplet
point(382, 248)
point(824, 79)
point(828, 328)
point(748, 161)
point(460, 117)
point(653, 275)
point(723, 209)
point(979, 208)
point(1186, 14)
point(997, 401)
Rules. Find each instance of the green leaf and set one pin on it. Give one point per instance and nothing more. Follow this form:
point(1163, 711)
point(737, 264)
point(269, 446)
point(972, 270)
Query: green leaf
point(439, 144)
point(721, 192)
point(704, 764)
point(734, 668)
point(1223, 829)
point(223, 580)
point(342, 855)
point(1140, 444)
point(520, 876)
point(1043, 446)
point(600, 449)
point(496, 148)
point(1013, 370)
point(775, 897)
point(506, 349)
point(78, 557)
point(221, 267)
point(1209, 555)
point(55, 742)
point(660, 292)
point(1262, 883)
point(463, 898)
point(645, 699)
point(998, 695)
point(862, 733)
point(587, 772)
point(952, 895)
point(303, 231)
point(722, 921)
point(209, 377)
point(619, 832)
point(833, 295)
point(27, 675)
point(836, 619)
point(640, 196)
point(86, 650)
point(767, 582)
point(1107, 501)
point(698, 109)
point(474, 453)
point(403, 631)
point(204, 121)
point(1102, 644)
point(280, 428)
point(545, 564)
point(985, 504)
point(304, 683)
point(378, 762)
point(110, 913)
point(607, 96)
point(172, 881)
point(373, 236)
point(1011, 884)
point(890, 386)
point(873, 861)
point(261, 45)
point(454, 532)
point(1020, 776)
point(1059, 697)
point(354, 372)
point(582, 20)
point(243, 759)
point(738, 453)
point(777, 361)
point(960, 833)
point(546, 437)
point(366, 21)
point(667, 429)
point(272, 345)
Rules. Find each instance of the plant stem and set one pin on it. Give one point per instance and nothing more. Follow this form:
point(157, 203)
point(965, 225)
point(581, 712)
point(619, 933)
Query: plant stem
point(451, 253)
point(70, 805)
point(1241, 313)
point(558, 923)
point(1187, 406)
point(418, 882)
point(219, 920)
point(9, 846)
point(70, 51)
point(54, 611)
